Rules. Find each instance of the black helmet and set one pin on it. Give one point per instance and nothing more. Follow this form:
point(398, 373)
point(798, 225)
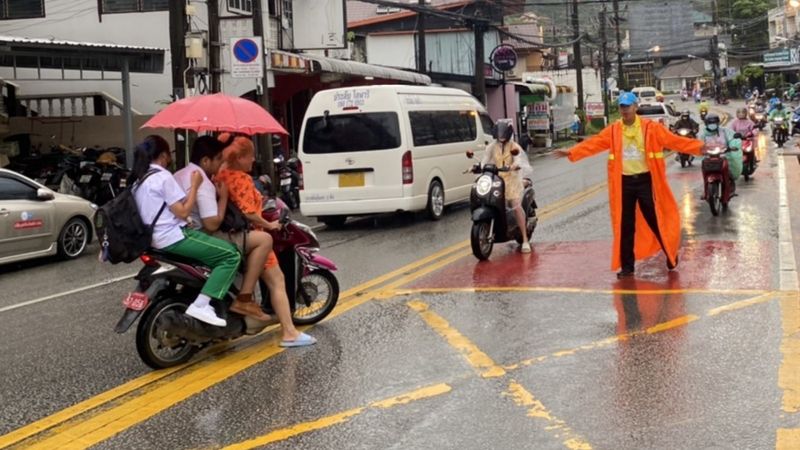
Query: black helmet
point(685, 114)
point(712, 118)
point(503, 130)
point(778, 105)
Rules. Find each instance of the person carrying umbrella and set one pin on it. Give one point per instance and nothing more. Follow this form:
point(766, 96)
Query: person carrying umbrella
point(644, 214)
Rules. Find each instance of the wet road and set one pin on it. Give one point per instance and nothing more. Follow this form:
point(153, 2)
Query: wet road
point(431, 349)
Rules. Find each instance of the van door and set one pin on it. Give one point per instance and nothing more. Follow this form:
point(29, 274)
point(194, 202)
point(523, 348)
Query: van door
point(353, 156)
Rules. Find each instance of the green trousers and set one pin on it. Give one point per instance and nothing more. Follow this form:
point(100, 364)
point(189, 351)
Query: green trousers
point(221, 256)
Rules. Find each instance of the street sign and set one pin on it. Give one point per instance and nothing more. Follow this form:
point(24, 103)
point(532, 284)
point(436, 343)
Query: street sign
point(784, 57)
point(595, 109)
point(247, 57)
point(503, 58)
point(538, 123)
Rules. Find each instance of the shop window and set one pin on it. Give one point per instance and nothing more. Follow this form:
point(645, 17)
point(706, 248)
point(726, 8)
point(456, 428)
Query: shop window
point(129, 6)
point(442, 127)
point(21, 9)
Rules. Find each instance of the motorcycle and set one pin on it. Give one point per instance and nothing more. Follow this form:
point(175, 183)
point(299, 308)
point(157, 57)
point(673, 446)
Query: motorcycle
point(795, 121)
point(685, 158)
point(748, 155)
point(684, 96)
point(290, 174)
point(167, 284)
point(492, 220)
point(718, 188)
point(760, 120)
point(780, 133)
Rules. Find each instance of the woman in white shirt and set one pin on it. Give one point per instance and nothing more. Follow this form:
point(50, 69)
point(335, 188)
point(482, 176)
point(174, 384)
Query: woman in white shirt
point(161, 199)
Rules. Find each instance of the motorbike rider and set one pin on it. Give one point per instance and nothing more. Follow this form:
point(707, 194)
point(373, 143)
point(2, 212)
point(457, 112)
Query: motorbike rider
point(500, 154)
point(703, 109)
point(714, 135)
point(742, 125)
point(778, 112)
point(774, 101)
point(161, 199)
point(686, 121)
point(209, 212)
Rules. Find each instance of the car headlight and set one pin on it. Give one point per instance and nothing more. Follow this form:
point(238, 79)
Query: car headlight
point(483, 185)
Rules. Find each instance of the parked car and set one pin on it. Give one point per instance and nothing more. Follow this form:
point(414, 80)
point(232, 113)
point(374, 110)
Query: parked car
point(656, 111)
point(377, 149)
point(35, 221)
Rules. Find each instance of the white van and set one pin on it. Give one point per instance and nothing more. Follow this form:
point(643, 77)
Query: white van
point(377, 149)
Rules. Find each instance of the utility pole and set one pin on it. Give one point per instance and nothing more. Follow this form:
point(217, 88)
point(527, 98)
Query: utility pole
point(715, 53)
point(422, 59)
point(603, 60)
point(263, 141)
point(576, 49)
point(214, 69)
point(480, 66)
point(178, 26)
point(621, 84)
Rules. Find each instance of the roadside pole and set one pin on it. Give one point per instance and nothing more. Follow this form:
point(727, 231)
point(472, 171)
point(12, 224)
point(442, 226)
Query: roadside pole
point(263, 141)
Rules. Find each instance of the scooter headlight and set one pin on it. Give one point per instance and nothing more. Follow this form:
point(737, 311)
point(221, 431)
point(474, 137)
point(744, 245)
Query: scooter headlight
point(779, 120)
point(683, 132)
point(483, 185)
point(759, 117)
point(713, 151)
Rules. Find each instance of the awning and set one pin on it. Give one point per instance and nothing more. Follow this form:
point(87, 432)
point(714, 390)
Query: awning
point(325, 64)
point(538, 87)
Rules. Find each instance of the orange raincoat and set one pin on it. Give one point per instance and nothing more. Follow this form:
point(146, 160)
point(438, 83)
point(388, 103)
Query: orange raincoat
point(656, 139)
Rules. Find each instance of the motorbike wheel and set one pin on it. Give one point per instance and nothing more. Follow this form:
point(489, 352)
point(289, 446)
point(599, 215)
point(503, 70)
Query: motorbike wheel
point(295, 199)
point(481, 241)
point(715, 197)
point(157, 348)
point(333, 222)
point(319, 292)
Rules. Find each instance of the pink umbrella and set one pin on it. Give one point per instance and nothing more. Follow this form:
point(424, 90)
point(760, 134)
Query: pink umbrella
point(217, 112)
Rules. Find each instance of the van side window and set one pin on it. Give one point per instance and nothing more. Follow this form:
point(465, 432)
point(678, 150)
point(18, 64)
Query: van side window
point(352, 133)
point(442, 127)
point(487, 123)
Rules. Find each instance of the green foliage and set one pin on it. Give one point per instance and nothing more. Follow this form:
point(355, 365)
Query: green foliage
point(753, 72)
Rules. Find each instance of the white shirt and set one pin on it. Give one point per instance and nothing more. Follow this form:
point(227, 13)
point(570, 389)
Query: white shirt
point(157, 189)
point(206, 204)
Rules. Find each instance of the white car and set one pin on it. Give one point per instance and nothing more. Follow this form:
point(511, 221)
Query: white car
point(656, 111)
point(35, 221)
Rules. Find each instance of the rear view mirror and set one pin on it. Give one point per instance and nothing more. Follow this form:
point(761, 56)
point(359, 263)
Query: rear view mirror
point(515, 151)
point(470, 154)
point(44, 194)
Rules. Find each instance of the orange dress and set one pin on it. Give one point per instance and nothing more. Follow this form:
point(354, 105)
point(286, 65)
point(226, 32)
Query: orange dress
point(656, 139)
point(243, 193)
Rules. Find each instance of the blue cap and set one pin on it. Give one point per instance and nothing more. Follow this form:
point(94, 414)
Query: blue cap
point(627, 99)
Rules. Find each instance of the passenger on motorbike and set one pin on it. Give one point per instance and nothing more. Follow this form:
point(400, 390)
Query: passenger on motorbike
point(161, 199)
point(500, 154)
point(742, 124)
point(209, 212)
point(239, 157)
point(713, 135)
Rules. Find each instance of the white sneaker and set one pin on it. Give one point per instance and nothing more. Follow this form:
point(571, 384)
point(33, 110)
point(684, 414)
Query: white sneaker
point(525, 247)
point(205, 314)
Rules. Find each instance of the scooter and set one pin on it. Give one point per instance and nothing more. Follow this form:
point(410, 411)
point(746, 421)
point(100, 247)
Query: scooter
point(492, 220)
point(167, 284)
point(760, 119)
point(685, 158)
point(290, 174)
point(780, 133)
point(718, 188)
point(749, 162)
point(796, 121)
point(684, 96)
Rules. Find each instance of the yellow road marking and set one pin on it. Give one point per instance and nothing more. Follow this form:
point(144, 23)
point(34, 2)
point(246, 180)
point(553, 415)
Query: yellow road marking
point(569, 290)
point(537, 410)
point(325, 422)
point(674, 323)
point(789, 371)
point(479, 360)
point(349, 299)
point(742, 304)
point(788, 439)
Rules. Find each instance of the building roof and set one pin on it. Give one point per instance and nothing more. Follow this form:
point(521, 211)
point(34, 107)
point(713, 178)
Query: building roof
point(686, 68)
point(401, 15)
point(23, 52)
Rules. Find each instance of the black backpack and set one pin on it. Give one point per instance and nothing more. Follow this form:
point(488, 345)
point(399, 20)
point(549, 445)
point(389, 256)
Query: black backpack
point(123, 235)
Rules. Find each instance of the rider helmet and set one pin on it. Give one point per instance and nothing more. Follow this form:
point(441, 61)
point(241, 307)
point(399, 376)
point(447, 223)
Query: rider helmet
point(778, 105)
point(685, 115)
point(503, 130)
point(712, 122)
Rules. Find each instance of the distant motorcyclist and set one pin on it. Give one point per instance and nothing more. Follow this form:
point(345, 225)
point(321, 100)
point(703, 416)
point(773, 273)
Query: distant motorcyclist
point(703, 109)
point(687, 122)
point(779, 113)
point(774, 101)
point(742, 124)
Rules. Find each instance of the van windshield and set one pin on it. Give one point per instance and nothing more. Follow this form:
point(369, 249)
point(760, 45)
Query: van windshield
point(351, 133)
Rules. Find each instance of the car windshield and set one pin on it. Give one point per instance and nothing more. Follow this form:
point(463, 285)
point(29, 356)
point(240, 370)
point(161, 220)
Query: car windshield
point(651, 110)
point(647, 94)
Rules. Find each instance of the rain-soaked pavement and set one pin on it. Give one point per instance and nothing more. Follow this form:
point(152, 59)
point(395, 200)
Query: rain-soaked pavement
point(430, 349)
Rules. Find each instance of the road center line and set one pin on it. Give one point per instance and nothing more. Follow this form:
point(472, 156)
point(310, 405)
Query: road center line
point(568, 290)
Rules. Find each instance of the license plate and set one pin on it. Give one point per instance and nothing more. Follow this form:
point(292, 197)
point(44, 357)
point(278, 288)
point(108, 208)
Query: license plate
point(351, 179)
point(106, 176)
point(136, 301)
point(286, 182)
point(85, 179)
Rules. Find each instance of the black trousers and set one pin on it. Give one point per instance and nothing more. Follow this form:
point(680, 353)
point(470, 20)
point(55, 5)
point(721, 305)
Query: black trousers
point(636, 189)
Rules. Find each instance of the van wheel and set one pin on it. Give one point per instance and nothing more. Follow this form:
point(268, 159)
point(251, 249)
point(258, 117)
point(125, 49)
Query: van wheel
point(435, 206)
point(333, 221)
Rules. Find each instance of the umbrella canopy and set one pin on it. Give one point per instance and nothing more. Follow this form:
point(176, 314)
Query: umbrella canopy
point(217, 112)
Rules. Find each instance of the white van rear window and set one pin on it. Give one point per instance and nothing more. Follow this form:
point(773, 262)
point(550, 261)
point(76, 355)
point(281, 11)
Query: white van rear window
point(351, 133)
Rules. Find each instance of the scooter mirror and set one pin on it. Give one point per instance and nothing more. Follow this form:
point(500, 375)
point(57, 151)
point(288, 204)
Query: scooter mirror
point(515, 151)
point(470, 154)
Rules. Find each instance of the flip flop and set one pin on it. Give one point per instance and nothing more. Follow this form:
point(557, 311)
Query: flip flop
point(303, 340)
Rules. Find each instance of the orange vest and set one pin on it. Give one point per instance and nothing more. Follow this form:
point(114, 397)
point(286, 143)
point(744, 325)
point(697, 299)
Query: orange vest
point(656, 139)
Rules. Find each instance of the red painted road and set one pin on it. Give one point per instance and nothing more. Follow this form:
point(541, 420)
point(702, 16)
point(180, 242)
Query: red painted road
point(585, 264)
